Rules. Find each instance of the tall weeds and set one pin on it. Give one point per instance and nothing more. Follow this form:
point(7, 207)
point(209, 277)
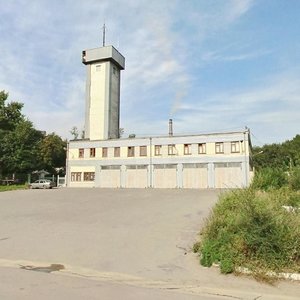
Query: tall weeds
point(249, 228)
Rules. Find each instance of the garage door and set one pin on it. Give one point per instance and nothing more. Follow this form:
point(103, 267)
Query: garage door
point(228, 175)
point(165, 176)
point(194, 176)
point(136, 176)
point(110, 177)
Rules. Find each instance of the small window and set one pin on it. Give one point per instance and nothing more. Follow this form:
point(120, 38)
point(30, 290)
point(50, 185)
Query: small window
point(104, 152)
point(81, 153)
point(202, 148)
point(98, 68)
point(235, 147)
point(92, 152)
point(143, 150)
point(88, 176)
point(157, 150)
point(171, 149)
point(75, 176)
point(130, 152)
point(187, 149)
point(219, 148)
point(117, 152)
point(114, 70)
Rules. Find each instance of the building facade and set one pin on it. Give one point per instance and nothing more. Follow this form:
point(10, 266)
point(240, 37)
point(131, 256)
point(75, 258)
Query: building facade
point(102, 159)
point(219, 160)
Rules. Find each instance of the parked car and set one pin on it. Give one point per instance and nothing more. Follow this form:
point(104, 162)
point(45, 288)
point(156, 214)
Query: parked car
point(42, 184)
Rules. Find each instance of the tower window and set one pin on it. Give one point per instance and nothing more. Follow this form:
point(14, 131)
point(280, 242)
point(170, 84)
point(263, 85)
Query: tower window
point(219, 148)
point(157, 150)
point(202, 148)
point(117, 152)
point(92, 152)
point(104, 152)
point(235, 147)
point(187, 149)
point(130, 152)
point(81, 153)
point(171, 149)
point(143, 150)
point(98, 68)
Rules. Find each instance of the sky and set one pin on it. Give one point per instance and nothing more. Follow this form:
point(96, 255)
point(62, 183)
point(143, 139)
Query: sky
point(210, 65)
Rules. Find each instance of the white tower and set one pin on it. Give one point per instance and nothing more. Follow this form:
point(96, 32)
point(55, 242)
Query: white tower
point(102, 115)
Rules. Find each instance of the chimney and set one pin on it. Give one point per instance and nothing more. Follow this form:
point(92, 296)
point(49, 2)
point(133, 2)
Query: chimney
point(170, 127)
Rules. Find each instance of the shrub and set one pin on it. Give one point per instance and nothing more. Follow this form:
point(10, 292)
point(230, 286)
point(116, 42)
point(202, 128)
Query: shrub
point(294, 179)
point(269, 178)
point(250, 229)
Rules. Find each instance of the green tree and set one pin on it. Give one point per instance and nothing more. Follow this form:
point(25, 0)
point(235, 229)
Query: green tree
point(10, 114)
point(52, 152)
point(20, 149)
point(24, 149)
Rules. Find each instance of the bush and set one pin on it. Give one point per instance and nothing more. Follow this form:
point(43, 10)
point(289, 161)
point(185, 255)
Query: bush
point(269, 178)
point(294, 179)
point(250, 229)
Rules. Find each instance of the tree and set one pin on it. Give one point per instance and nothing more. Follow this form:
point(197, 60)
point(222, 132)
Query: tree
point(74, 132)
point(10, 113)
point(20, 149)
point(282, 156)
point(52, 152)
point(24, 149)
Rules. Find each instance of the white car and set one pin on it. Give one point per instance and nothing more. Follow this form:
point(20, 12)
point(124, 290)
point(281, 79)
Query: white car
point(42, 184)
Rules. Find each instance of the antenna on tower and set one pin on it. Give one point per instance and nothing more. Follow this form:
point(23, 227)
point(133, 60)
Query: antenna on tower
point(104, 29)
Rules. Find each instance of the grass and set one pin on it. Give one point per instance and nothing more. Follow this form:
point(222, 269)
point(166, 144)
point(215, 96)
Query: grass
point(250, 229)
point(4, 188)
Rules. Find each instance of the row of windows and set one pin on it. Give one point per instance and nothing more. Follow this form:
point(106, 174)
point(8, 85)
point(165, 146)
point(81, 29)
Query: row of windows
point(187, 150)
point(87, 176)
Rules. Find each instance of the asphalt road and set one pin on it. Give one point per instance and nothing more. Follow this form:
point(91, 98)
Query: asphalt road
point(113, 244)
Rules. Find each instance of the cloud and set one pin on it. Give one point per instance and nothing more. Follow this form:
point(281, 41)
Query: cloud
point(169, 47)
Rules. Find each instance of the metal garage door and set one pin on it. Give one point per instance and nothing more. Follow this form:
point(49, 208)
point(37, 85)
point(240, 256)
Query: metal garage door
point(228, 175)
point(110, 177)
point(136, 176)
point(165, 176)
point(194, 176)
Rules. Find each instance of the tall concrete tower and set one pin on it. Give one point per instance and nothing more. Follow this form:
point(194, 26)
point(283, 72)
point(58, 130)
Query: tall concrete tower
point(102, 114)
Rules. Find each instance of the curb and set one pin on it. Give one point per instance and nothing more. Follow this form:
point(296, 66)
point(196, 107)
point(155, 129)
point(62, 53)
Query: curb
point(289, 276)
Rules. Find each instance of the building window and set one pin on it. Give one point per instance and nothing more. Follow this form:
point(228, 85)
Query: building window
point(117, 152)
point(157, 150)
point(143, 150)
point(98, 68)
point(130, 152)
point(171, 149)
point(88, 176)
point(75, 176)
point(92, 152)
point(81, 153)
point(202, 148)
point(235, 147)
point(187, 149)
point(104, 152)
point(219, 148)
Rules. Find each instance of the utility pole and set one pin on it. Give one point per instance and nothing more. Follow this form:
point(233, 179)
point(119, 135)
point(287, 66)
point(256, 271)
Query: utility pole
point(103, 35)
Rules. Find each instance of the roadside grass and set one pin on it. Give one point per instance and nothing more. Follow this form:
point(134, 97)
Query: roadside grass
point(250, 229)
point(4, 188)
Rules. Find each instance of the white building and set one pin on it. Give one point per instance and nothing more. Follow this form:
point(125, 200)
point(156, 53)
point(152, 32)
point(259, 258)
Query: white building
point(217, 160)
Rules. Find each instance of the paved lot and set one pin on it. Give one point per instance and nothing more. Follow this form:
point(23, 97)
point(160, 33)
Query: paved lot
point(126, 244)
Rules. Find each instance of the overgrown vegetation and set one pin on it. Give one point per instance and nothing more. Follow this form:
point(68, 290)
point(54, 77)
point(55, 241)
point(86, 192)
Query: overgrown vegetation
point(250, 229)
point(256, 228)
